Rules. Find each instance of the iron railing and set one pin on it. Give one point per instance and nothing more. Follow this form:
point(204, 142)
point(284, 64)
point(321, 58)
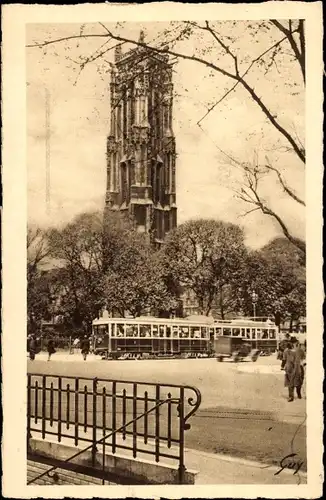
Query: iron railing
point(95, 411)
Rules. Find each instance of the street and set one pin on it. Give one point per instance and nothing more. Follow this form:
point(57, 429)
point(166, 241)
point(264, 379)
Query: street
point(244, 411)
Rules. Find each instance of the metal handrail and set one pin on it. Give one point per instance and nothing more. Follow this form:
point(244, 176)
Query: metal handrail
point(154, 384)
point(138, 382)
point(103, 439)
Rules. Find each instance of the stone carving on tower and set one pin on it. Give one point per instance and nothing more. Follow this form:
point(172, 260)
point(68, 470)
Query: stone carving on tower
point(141, 154)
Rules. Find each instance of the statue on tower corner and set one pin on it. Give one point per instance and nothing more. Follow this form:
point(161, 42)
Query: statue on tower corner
point(118, 52)
point(141, 37)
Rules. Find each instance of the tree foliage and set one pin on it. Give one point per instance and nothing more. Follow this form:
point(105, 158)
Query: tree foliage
point(204, 256)
point(278, 275)
point(106, 265)
point(91, 266)
point(38, 284)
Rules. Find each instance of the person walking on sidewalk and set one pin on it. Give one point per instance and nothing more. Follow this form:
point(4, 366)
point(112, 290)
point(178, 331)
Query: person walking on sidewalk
point(294, 371)
point(32, 347)
point(85, 347)
point(50, 348)
point(75, 345)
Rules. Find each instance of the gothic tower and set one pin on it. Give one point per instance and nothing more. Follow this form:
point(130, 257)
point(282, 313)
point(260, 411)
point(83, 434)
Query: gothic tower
point(141, 146)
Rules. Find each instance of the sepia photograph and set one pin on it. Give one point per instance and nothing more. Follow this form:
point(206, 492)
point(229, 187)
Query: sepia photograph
point(166, 297)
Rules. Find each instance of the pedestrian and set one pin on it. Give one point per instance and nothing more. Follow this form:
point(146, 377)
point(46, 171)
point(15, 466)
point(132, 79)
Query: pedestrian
point(85, 347)
point(282, 347)
point(32, 347)
point(294, 371)
point(75, 344)
point(50, 348)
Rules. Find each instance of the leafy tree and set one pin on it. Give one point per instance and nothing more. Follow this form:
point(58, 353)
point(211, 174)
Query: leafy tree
point(134, 282)
point(38, 290)
point(78, 253)
point(106, 264)
point(277, 275)
point(204, 256)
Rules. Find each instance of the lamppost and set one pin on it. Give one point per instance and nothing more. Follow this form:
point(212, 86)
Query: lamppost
point(254, 298)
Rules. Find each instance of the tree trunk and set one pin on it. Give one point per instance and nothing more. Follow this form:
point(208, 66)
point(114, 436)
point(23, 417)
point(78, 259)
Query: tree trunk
point(208, 310)
point(201, 305)
point(221, 302)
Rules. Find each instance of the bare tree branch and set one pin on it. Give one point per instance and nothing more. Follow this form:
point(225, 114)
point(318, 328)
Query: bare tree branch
point(299, 54)
point(224, 46)
point(165, 50)
point(65, 39)
point(286, 188)
point(253, 197)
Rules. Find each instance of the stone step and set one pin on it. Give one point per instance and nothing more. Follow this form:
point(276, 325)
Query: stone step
point(65, 477)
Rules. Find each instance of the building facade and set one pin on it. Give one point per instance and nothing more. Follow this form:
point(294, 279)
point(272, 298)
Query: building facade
point(141, 153)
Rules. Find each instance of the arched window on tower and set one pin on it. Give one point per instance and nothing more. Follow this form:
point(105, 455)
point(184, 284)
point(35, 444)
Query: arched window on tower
point(170, 187)
point(167, 172)
point(153, 177)
point(131, 172)
point(113, 171)
point(125, 115)
point(172, 173)
point(119, 122)
point(158, 183)
point(162, 185)
point(132, 104)
point(124, 183)
point(158, 115)
point(143, 164)
point(166, 222)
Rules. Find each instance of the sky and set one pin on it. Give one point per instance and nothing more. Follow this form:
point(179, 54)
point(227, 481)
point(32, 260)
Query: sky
point(80, 116)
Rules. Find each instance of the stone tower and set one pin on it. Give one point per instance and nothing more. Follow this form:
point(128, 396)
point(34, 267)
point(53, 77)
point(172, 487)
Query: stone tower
point(141, 146)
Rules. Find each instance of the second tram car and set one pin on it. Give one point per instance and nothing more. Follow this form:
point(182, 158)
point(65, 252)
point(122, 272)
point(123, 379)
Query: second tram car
point(154, 337)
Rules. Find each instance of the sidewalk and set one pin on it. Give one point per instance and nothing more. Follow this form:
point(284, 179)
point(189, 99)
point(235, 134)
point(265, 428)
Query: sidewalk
point(211, 468)
point(64, 356)
point(223, 469)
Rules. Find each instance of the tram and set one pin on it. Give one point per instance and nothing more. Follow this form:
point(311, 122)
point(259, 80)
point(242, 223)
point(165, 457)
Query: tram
point(145, 337)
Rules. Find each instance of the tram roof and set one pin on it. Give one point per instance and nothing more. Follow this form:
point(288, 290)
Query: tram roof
point(194, 319)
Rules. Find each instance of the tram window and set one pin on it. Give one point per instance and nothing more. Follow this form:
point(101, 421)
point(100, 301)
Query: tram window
point(161, 330)
point(227, 331)
point(154, 330)
point(168, 331)
point(211, 331)
point(175, 331)
point(264, 334)
point(113, 326)
point(272, 334)
point(120, 330)
point(203, 332)
point(248, 333)
point(131, 330)
point(184, 332)
point(235, 332)
point(194, 332)
point(253, 333)
point(102, 330)
point(145, 330)
point(243, 332)
point(218, 331)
